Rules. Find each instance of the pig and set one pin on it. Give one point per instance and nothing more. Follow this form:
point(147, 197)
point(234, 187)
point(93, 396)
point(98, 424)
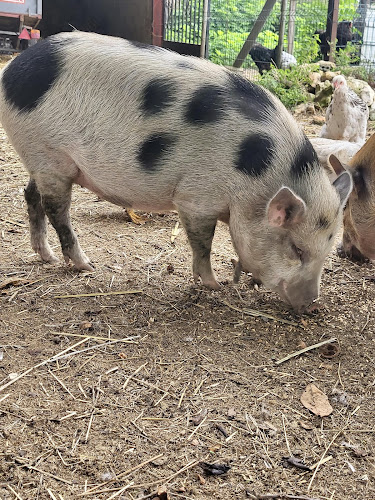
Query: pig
point(148, 129)
point(358, 241)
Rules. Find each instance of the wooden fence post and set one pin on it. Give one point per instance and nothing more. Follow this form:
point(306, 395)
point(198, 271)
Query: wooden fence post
point(291, 25)
point(279, 48)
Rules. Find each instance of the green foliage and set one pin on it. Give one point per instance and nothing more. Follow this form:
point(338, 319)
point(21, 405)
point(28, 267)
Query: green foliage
point(290, 86)
point(232, 20)
point(348, 55)
point(224, 46)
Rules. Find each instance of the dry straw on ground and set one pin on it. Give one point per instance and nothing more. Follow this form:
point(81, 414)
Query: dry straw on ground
point(106, 394)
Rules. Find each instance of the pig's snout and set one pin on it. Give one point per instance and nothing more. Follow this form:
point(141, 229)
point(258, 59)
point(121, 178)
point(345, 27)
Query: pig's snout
point(299, 295)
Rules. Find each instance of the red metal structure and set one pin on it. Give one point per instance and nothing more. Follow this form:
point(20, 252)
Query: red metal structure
point(15, 15)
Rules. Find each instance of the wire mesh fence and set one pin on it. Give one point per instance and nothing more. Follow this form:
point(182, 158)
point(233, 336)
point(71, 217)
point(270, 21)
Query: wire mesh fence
point(183, 20)
point(230, 22)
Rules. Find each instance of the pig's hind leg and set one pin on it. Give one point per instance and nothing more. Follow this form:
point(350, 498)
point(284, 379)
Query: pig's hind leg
point(37, 221)
point(56, 194)
point(200, 232)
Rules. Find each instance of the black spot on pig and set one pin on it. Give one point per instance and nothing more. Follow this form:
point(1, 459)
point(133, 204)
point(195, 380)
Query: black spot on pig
point(152, 150)
point(206, 106)
point(157, 95)
point(255, 155)
point(30, 75)
point(305, 160)
point(185, 65)
point(144, 46)
point(250, 99)
point(323, 222)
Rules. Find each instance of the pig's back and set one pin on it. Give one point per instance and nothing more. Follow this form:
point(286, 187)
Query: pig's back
point(113, 105)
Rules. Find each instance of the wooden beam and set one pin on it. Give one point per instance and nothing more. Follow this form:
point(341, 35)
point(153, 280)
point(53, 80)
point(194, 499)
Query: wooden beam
point(257, 28)
point(291, 25)
point(280, 44)
point(157, 23)
point(335, 17)
point(204, 28)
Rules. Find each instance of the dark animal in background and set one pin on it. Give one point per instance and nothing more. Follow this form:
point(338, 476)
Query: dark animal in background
point(264, 58)
point(344, 35)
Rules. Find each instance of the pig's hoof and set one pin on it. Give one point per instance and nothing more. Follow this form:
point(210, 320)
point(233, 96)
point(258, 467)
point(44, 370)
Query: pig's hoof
point(85, 267)
point(46, 254)
point(50, 259)
point(210, 283)
point(315, 308)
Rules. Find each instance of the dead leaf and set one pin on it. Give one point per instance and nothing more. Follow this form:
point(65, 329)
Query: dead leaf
point(220, 428)
point(231, 413)
point(267, 428)
point(215, 447)
point(13, 281)
point(162, 494)
point(356, 450)
point(316, 401)
point(214, 469)
point(197, 419)
point(306, 425)
point(294, 462)
point(201, 479)
point(86, 325)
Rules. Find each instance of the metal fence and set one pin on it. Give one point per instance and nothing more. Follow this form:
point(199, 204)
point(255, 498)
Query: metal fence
point(230, 21)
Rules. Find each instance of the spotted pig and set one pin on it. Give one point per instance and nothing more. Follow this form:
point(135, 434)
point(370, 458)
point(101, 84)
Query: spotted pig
point(148, 129)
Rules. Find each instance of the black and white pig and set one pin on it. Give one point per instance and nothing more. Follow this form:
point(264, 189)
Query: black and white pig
point(148, 129)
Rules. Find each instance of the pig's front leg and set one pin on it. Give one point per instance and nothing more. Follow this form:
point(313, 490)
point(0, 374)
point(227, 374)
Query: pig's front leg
point(200, 231)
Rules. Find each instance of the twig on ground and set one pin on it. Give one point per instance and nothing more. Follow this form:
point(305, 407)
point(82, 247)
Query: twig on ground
point(196, 429)
point(255, 313)
point(121, 491)
point(286, 437)
point(24, 464)
point(96, 294)
point(308, 348)
point(121, 475)
point(61, 383)
point(14, 492)
point(132, 375)
point(281, 496)
point(42, 363)
point(321, 461)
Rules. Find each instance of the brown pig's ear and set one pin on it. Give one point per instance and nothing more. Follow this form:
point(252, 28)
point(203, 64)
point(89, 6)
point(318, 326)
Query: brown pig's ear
point(336, 164)
point(285, 209)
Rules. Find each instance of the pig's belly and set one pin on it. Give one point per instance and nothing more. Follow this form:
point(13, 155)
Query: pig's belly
point(147, 200)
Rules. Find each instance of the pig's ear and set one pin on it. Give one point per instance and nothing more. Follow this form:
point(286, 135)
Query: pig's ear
point(335, 164)
point(285, 209)
point(344, 186)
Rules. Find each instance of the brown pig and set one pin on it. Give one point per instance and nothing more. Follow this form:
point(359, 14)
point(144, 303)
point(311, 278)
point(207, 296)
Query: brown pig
point(359, 215)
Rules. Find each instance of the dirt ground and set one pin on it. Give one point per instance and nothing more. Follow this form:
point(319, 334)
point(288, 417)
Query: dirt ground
point(115, 394)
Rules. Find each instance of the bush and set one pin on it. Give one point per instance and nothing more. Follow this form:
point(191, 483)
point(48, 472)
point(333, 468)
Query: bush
point(290, 86)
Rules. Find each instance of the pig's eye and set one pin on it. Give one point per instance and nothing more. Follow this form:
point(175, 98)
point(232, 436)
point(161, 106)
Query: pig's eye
point(298, 252)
